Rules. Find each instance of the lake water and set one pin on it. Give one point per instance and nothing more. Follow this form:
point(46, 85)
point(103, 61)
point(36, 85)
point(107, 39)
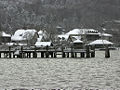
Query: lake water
point(96, 73)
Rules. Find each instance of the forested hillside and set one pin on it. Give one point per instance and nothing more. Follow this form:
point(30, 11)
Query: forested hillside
point(47, 14)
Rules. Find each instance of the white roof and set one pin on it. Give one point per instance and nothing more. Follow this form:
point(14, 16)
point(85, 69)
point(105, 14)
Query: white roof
point(78, 41)
point(79, 31)
point(20, 34)
point(40, 32)
point(39, 39)
point(5, 34)
point(42, 44)
point(105, 34)
point(82, 31)
point(99, 42)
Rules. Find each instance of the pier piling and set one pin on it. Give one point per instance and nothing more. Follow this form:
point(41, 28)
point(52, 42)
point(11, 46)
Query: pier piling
point(9, 52)
point(107, 52)
point(93, 51)
point(87, 52)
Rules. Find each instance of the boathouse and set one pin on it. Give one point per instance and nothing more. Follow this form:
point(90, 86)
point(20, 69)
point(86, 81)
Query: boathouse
point(25, 37)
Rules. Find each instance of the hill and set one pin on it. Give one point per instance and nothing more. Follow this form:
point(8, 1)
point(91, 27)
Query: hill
point(47, 14)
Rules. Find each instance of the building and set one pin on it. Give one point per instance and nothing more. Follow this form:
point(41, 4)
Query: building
point(25, 37)
point(100, 43)
point(4, 37)
point(43, 44)
point(86, 35)
point(78, 44)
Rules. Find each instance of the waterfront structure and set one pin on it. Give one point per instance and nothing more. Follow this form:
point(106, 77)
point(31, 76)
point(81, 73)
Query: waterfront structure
point(4, 37)
point(25, 37)
point(101, 43)
point(85, 35)
point(78, 44)
point(43, 44)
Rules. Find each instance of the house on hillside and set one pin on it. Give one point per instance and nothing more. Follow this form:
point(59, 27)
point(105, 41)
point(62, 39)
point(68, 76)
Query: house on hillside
point(25, 37)
point(4, 37)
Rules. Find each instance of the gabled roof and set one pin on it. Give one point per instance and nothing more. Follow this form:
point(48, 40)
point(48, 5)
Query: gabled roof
point(21, 34)
point(83, 31)
point(99, 42)
point(78, 41)
point(5, 34)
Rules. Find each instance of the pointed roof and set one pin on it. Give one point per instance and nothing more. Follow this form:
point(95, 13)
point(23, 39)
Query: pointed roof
point(78, 41)
point(5, 34)
point(99, 42)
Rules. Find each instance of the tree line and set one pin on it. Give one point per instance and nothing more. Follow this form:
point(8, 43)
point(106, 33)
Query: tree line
point(69, 14)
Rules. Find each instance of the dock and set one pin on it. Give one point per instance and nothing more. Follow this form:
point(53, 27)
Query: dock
point(48, 53)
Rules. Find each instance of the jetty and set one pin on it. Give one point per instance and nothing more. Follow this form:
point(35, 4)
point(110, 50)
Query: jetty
point(48, 52)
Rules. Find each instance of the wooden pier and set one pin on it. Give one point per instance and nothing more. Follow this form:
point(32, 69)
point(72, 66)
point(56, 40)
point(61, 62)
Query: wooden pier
point(48, 53)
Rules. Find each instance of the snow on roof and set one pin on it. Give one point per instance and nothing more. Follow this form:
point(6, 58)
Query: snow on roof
point(105, 34)
point(21, 33)
point(74, 31)
point(5, 34)
point(99, 42)
point(42, 44)
point(78, 41)
point(39, 39)
point(82, 31)
point(79, 31)
point(40, 32)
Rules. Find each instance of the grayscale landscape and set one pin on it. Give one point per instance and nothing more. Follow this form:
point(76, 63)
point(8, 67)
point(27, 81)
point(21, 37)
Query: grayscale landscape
point(59, 44)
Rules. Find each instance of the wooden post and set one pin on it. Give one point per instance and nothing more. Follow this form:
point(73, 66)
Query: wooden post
point(55, 53)
point(47, 53)
point(107, 52)
point(0, 55)
point(13, 55)
point(35, 53)
point(82, 54)
point(68, 55)
point(42, 54)
point(63, 53)
point(75, 55)
point(9, 52)
point(93, 51)
point(72, 53)
point(87, 52)
point(51, 53)
point(55, 56)
point(21, 52)
point(29, 54)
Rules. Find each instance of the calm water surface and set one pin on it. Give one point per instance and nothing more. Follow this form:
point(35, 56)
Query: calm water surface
point(69, 74)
